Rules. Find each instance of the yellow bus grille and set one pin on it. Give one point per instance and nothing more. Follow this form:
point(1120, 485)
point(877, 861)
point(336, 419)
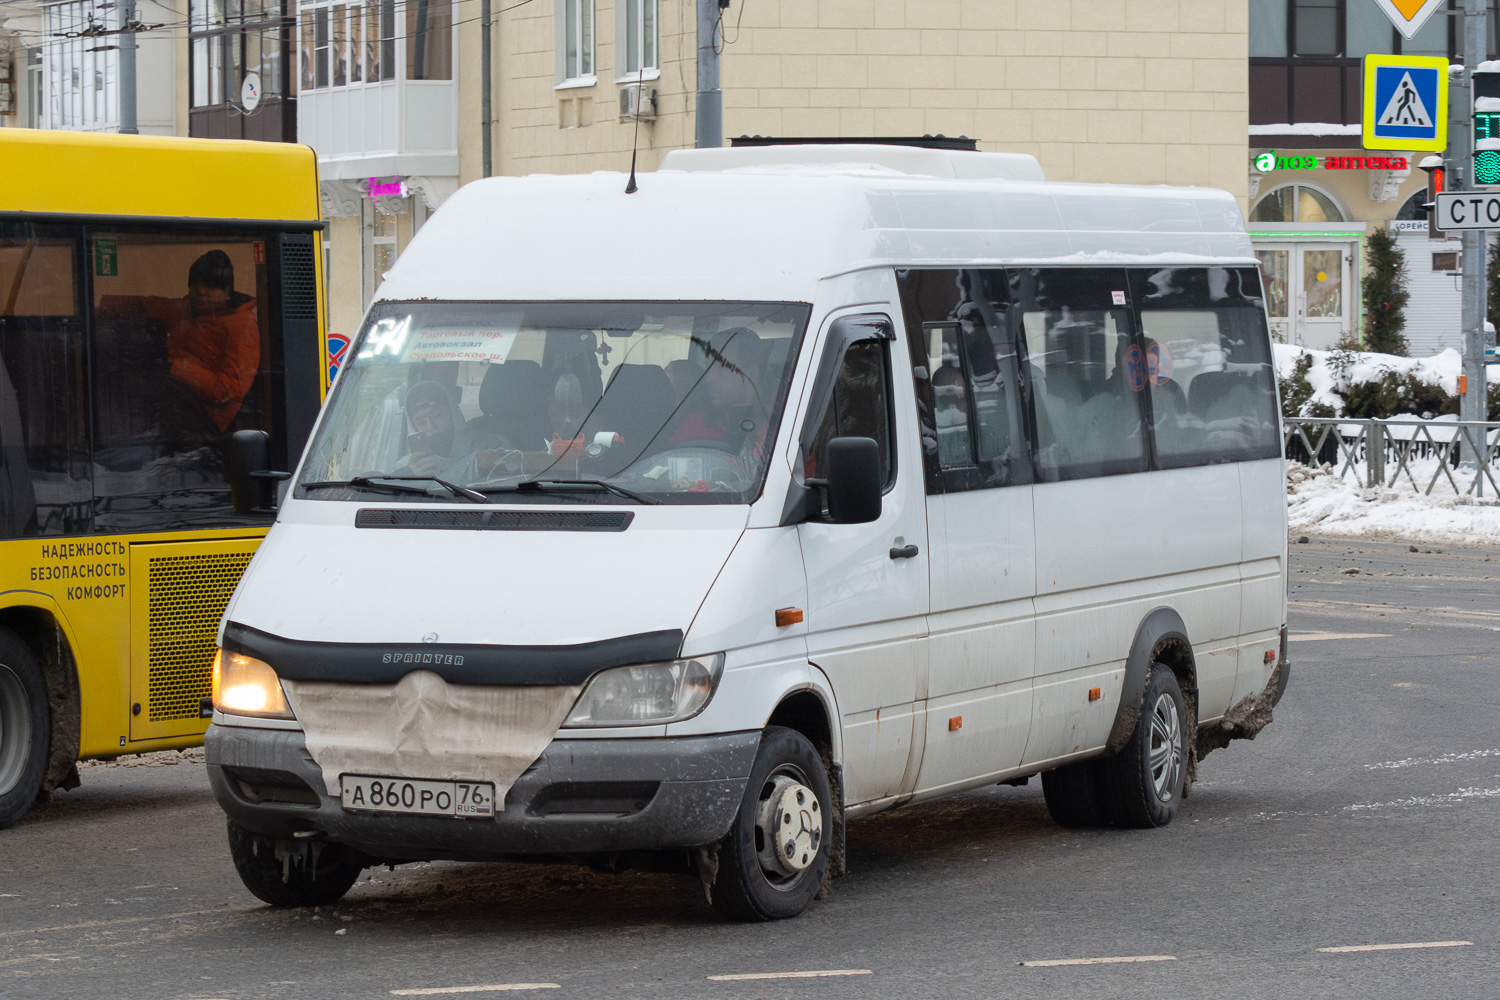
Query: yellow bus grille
point(187, 598)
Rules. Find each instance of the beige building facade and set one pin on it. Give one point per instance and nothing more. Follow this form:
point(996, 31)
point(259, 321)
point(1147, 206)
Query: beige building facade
point(1127, 91)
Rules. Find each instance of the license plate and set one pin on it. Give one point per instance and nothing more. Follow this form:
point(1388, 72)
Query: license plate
point(464, 799)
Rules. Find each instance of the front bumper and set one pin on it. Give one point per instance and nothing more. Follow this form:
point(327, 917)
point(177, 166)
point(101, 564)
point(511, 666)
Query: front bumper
point(579, 797)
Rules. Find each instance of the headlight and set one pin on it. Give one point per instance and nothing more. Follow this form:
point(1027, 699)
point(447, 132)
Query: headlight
point(244, 685)
point(648, 694)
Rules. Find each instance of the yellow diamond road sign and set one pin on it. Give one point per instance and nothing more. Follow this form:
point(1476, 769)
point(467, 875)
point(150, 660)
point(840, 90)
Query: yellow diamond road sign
point(1409, 15)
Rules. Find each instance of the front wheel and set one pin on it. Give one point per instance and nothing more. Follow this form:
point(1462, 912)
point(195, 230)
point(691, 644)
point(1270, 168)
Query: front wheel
point(292, 873)
point(1146, 777)
point(25, 728)
point(773, 860)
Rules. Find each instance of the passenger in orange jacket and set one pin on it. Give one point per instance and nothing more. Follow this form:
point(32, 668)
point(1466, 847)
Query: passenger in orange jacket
point(213, 336)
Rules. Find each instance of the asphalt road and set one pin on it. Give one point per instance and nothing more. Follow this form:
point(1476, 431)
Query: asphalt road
point(1366, 814)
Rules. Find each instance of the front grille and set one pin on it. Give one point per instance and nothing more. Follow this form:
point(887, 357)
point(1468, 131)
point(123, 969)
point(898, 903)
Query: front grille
point(187, 597)
point(495, 520)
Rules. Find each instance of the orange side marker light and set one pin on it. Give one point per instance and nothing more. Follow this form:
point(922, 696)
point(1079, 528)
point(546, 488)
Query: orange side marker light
point(957, 722)
point(1095, 694)
point(788, 616)
point(1270, 656)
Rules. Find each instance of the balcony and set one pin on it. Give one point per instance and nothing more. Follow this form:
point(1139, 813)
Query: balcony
point(375, 100)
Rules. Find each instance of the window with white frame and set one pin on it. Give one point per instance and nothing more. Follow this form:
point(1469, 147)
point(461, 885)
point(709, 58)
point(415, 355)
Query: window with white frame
point(82, 75)
point(353, 44)
point(575, 41)
point(635, 40)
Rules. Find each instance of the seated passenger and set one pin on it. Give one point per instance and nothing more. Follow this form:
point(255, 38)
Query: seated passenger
point(441, 444)
point(213, 336)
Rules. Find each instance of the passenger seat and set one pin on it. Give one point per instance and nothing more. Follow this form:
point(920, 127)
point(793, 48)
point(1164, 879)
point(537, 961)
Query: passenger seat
point(513, 405)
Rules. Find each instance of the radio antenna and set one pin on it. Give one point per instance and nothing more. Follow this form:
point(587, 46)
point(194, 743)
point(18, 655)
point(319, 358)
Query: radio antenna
point(630, 187)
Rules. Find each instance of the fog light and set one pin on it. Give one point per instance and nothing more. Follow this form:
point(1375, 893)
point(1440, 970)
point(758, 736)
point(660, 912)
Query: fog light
point(243, 685)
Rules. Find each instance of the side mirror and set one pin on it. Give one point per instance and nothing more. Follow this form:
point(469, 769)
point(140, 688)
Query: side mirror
point(853, 480)
point(252, 487)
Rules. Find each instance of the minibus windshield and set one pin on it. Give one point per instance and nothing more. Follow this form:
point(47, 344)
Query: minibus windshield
point(582, 402)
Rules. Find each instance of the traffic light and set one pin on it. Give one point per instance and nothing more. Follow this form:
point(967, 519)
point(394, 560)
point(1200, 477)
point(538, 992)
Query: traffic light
point(1436, 175)
point(1486, 126)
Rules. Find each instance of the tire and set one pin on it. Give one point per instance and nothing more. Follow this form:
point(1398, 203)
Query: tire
point(1143, 783)
point(757, 880)
point(25, 728)
point(320, 875)
point(1074, 797)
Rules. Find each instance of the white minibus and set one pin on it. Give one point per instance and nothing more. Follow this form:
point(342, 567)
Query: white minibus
point(673, 529)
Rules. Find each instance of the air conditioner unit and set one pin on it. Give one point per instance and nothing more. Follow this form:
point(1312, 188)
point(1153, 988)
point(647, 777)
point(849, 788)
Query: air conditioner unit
point(637, 101)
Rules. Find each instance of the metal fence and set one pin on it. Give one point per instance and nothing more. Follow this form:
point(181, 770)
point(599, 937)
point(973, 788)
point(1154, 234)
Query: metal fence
point(1396, 452)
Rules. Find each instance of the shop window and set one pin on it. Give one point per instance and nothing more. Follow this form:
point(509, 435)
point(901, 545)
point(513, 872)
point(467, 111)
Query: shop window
point(1296, 203)
point(382, 247)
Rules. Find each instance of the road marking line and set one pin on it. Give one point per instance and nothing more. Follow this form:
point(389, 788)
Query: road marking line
point(810, 974)
point(436, 991)
point(1102, 961)
point(1319, 636)
point(1398, 947)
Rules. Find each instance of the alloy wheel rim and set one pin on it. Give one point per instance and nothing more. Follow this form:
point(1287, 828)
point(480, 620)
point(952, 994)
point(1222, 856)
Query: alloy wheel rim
point(1166, 748)
point(789, 827)
point(15, 729)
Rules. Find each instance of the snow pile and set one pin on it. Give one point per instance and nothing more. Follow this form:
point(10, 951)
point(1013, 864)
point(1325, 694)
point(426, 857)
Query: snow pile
point(1329, 382)
point(1319, 502)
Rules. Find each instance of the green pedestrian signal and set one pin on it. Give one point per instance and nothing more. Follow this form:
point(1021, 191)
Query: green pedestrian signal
point(1486, 126)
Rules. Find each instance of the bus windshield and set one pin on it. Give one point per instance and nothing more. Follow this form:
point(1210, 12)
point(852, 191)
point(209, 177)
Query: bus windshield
point(665, 402)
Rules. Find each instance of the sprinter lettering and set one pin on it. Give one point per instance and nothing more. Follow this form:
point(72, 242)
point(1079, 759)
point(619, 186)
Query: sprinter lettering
point(454, 659)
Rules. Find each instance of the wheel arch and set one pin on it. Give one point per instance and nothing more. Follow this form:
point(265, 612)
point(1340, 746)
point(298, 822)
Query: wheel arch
point(1162, 635)
point(46, 634)
point(813, 712)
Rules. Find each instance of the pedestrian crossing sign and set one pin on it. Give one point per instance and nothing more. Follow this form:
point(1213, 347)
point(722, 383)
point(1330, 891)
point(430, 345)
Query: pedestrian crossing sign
point(1406, 102)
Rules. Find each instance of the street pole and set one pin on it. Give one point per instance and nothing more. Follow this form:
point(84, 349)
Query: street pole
point(1472, 404)
point(709, 126)
point(127, 69)
point(486, 165)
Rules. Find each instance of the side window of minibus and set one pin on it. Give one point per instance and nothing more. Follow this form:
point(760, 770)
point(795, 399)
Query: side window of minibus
point(1208, 365)
point(859, 406)
point(1087, 372)
point(967, 380)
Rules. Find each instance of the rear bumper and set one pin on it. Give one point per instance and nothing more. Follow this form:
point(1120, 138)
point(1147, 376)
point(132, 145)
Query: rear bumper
point(579, 797)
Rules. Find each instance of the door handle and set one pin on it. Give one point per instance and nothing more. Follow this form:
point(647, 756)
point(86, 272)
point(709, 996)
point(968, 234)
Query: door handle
point(903, 551)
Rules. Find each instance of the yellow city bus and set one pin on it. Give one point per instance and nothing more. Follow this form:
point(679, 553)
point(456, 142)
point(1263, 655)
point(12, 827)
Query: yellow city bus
point(157, 295)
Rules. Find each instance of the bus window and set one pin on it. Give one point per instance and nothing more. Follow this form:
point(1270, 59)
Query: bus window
point(44, 485)
point(1084, 370)
point(1208, 365)
point(182, 353)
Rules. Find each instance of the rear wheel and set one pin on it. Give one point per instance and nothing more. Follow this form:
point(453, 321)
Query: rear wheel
point(292, 873)
point(25, 728)
point(1144, 780)
point(773, 860)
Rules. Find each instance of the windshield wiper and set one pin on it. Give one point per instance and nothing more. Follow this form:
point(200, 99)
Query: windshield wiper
point(368, 482)
point(573, 485)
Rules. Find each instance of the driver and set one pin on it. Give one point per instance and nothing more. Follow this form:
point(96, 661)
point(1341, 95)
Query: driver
point(441, 443)
point(725, 407)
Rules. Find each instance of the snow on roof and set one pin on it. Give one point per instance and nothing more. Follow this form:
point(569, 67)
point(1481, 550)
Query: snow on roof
point(772, 234)
point(1306, 128)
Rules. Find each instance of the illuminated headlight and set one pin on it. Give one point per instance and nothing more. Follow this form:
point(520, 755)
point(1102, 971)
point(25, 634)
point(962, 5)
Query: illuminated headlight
point(244, 685)
point(648, 694)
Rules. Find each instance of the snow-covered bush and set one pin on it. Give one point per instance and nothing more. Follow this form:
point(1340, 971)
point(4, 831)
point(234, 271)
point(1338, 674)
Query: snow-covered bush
point(1362, 384)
